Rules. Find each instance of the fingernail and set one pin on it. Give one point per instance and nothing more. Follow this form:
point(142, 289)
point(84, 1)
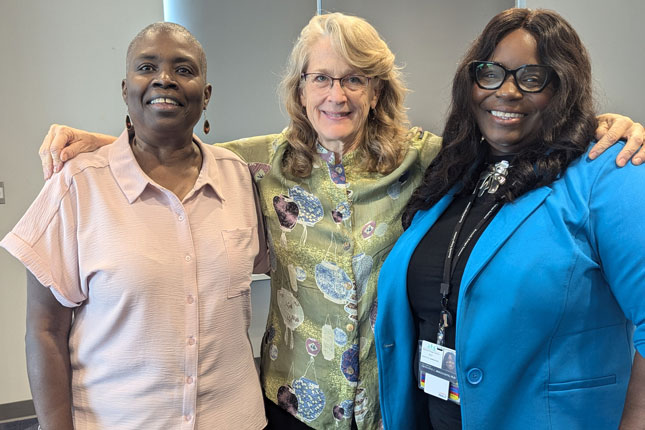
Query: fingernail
point(621, 161)
point(593, 154)
point(637, 160)
point(57, 168)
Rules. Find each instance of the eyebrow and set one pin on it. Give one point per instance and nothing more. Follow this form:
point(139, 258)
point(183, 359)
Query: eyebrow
point(352, 72)
point(152, 57)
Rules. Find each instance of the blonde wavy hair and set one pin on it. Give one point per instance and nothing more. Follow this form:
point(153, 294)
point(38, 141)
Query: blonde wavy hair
point(384, 139)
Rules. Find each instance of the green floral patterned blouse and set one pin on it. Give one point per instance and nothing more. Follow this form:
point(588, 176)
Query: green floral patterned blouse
point(329, 234)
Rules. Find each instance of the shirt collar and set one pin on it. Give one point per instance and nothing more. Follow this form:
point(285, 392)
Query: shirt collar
point(330, 156)
point(209, 175)
point(133, 180)
point(326, 155)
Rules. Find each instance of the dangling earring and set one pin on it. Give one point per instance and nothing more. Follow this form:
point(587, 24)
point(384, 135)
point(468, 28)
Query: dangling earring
point(207, 125)
point(128, 123)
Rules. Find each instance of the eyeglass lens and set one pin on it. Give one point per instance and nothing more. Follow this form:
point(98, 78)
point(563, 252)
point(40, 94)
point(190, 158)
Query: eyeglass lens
point(530, 78)
point(324, 82)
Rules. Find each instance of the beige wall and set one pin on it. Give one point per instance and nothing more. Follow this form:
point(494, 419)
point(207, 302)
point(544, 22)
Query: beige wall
point(613, 34)
point(61, 61)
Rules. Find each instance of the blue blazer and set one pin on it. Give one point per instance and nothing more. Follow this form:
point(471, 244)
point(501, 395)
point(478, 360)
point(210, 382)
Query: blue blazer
point(546, 306)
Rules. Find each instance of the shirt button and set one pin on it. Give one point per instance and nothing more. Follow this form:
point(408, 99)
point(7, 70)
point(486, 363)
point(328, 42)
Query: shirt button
point(190, 300)
point(180, 217)
point(191, 341)
point(188, 417)
point(189, 380)
point(188, 258)
point(475, 375)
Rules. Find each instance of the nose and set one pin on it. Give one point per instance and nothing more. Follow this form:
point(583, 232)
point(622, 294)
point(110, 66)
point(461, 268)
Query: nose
point(337, 92)
point(509, 88)
point(164, 79)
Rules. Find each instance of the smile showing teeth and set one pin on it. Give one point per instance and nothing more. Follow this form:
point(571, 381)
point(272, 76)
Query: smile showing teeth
point(506, 115)
point(336, 114)
point(163, 100)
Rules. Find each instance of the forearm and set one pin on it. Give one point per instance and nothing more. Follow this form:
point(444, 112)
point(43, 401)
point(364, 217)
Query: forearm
point(634, 411)
point(48, 363)
point(48, 367)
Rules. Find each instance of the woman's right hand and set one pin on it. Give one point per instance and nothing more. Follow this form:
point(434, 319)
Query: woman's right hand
point(63, 143)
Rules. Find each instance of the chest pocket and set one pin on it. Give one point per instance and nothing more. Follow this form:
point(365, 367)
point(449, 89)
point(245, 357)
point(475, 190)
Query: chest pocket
point(241, 249)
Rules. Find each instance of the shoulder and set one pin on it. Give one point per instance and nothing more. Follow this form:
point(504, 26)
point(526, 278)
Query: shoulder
point(258, 148)
point(266, 139)
point(426, 143)
point(589, 172)
point(222, 154)
point(227, 165)
point(420, 138)
point(84, 164)
point(600, 185)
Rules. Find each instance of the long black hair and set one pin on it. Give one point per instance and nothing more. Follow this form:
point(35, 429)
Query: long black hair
point(568, 121)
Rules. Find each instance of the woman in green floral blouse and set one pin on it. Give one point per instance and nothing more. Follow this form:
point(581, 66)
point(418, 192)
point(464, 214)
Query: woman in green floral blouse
point(332, 188)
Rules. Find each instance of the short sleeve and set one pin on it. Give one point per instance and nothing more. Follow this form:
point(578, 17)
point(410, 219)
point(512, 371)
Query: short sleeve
point(45, 240)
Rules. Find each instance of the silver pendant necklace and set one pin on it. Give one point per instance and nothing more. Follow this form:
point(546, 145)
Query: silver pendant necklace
point(493, 177)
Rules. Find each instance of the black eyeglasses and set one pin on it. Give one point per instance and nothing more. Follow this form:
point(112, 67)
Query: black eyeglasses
point(529, 78)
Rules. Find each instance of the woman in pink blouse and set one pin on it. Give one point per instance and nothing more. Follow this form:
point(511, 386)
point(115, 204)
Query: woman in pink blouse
point(140, 258)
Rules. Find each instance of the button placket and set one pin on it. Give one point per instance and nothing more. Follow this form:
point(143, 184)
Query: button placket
point(191, 317)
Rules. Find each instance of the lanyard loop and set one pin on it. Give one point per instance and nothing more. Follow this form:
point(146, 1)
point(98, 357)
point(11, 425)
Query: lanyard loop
point(450, 262)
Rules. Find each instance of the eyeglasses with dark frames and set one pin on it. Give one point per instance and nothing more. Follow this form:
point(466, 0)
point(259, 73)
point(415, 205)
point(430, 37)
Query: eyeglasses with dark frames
point(323, 82)
point(529, 78)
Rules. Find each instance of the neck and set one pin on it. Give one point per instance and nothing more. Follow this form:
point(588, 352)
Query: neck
point(173, 164)
point(339, 147)
point(168, 153)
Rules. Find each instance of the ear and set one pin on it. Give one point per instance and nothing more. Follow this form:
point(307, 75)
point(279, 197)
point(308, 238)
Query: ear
point(124, 91)
point(375, 96)
point(303, 97)
point(208, 91)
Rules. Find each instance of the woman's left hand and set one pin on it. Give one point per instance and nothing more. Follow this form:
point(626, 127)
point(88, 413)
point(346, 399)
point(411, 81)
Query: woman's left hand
point(611, 128)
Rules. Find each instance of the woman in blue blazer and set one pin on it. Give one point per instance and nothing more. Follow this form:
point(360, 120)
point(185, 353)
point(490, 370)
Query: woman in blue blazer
point(519, 253)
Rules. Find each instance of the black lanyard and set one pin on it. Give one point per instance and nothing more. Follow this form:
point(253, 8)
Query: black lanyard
point(450, 263)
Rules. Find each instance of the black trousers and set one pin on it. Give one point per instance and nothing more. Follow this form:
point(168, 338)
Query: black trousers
point(279, 419)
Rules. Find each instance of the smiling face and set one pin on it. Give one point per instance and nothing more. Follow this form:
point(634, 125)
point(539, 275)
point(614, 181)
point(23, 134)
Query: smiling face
point(449, 362)
point(508, 118)
point(338, 116)
point(164, 88)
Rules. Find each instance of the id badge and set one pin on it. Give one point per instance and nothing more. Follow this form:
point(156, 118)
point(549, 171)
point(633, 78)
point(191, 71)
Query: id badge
point(438, 371)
